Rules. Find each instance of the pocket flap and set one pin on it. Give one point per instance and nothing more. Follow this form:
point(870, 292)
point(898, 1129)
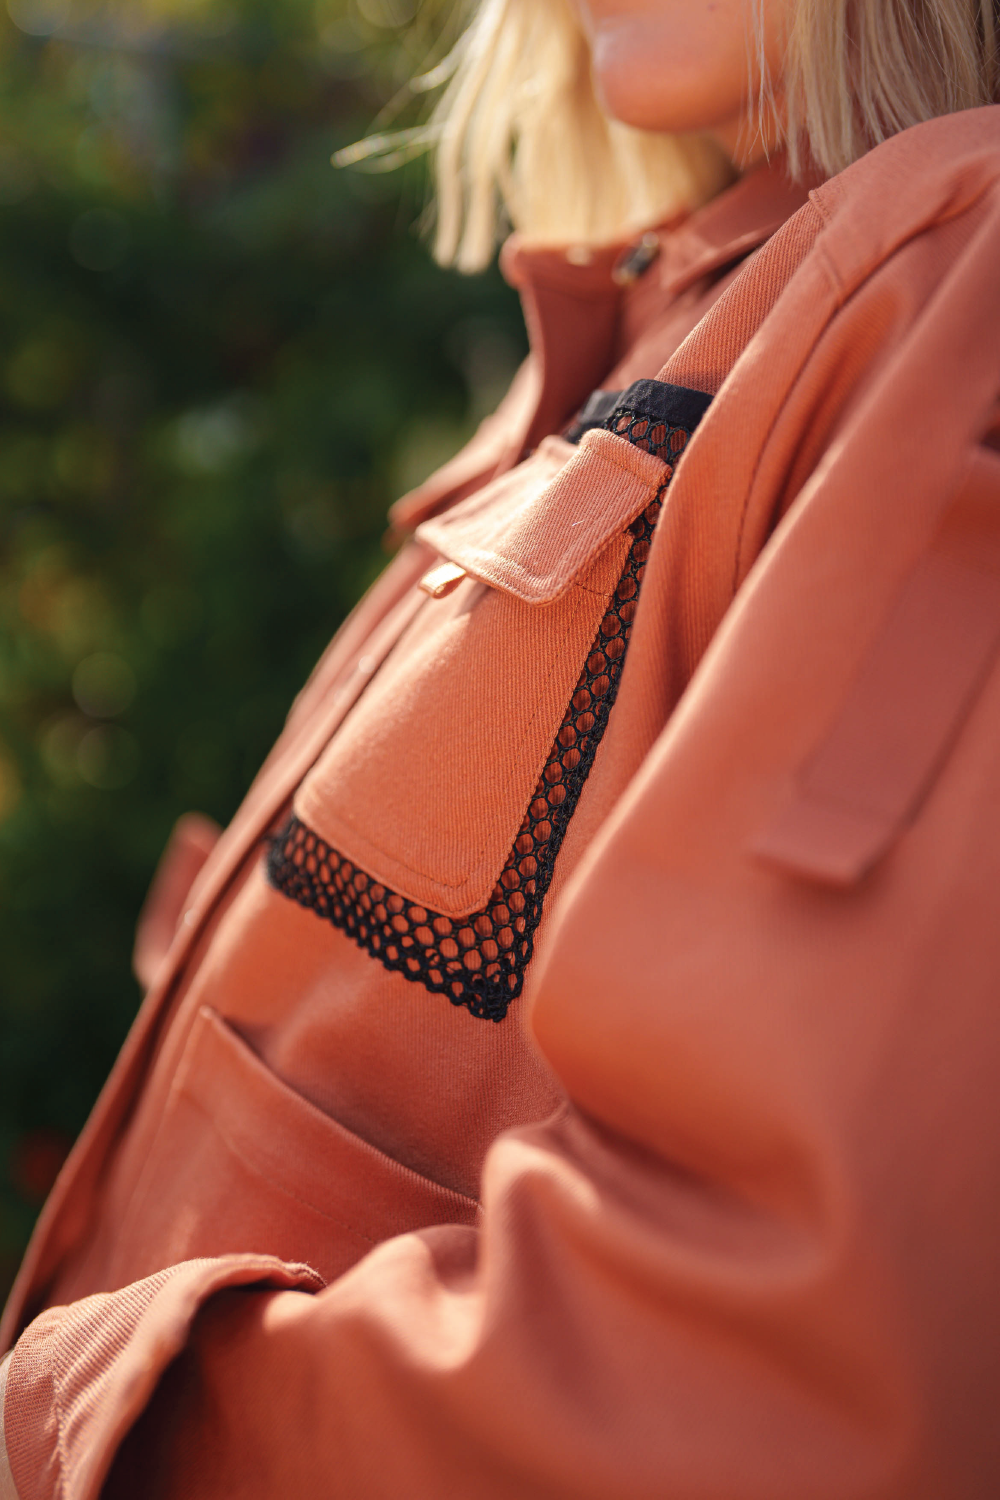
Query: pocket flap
point(535, 530)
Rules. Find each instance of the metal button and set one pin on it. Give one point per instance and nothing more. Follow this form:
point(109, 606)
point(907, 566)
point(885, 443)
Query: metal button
point(637, 259)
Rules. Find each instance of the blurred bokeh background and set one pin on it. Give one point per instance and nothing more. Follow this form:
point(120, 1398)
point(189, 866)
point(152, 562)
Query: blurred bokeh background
point(220, 360)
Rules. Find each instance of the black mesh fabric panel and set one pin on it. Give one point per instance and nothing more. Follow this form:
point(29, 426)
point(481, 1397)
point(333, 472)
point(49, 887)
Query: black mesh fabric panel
point(480, 961)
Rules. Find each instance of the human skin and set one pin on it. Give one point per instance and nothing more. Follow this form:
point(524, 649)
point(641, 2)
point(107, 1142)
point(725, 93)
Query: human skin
point(688, 65)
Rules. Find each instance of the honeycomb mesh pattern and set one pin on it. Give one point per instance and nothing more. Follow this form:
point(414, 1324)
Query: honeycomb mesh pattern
point(479, 961)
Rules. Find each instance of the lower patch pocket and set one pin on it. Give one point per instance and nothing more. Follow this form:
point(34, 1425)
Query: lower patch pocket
point(241, 1162)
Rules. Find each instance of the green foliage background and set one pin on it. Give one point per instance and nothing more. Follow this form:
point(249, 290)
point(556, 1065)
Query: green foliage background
point(220, 360)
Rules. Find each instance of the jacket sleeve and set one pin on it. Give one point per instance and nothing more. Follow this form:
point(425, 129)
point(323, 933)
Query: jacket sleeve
point(7, 1489)
point(754, 1257)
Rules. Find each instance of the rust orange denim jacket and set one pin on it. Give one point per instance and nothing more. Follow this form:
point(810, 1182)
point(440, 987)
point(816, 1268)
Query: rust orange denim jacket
point(467, 1146)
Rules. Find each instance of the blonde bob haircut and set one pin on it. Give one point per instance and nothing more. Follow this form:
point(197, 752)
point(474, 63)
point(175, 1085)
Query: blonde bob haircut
point(519, 136)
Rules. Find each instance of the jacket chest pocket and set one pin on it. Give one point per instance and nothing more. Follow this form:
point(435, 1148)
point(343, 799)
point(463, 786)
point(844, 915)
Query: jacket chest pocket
point(428, 826)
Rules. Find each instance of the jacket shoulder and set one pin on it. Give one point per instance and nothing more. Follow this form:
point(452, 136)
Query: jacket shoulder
point(912, 182)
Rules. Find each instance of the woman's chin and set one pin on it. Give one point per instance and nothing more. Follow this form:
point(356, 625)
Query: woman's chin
point(632, 84)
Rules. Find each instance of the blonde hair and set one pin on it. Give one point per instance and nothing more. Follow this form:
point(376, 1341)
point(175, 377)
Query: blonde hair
point(519, 135)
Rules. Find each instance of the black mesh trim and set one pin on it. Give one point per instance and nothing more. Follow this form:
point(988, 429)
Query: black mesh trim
point(674, 405)
point(479, 961)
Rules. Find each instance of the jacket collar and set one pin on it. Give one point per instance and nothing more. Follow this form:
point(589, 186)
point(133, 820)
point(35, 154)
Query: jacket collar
point(572, 301)
point(692, 244)
point(727, 229)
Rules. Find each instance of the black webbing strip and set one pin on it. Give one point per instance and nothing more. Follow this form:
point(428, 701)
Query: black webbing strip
point(656, 400)
point(675, 405)
point(594, 413)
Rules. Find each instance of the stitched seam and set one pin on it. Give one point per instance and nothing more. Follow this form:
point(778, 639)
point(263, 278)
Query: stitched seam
point(257, 1170)
point(830, 270)
point(604, 536)
point(477, 555)
point(420, 1179)
point(482, 851)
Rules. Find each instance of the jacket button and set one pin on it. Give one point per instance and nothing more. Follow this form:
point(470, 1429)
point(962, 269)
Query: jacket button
point(636, 260)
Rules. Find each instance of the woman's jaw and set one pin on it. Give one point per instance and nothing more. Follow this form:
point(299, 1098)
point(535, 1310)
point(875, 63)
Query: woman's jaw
point(683, 66)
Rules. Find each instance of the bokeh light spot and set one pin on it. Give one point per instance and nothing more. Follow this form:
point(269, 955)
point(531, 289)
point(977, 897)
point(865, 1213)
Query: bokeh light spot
point(39, 17)
point(103, 685)
point(108, 757)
